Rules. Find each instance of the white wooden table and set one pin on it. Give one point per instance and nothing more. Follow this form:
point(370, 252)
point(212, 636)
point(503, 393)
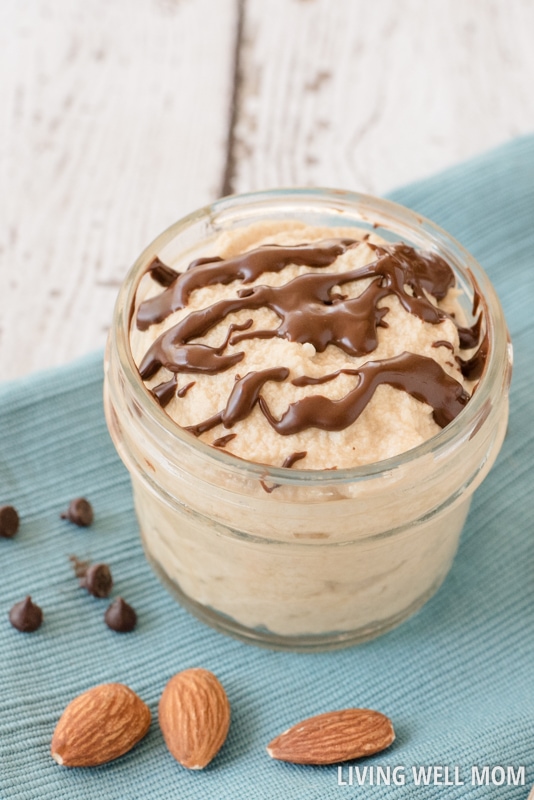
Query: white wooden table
point(117, 118)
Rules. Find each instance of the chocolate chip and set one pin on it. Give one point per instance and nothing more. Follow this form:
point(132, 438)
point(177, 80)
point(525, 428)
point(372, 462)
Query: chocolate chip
point(97, 580)
point(9, 521)
point(120, 616)
point(26, 616)
point(80, 511)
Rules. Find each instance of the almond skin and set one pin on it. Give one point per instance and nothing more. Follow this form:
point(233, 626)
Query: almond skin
point(99, 726)
point(333, 737)
point(194, 717)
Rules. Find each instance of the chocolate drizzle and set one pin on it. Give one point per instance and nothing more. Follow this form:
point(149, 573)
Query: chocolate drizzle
point(164, 392)
point(243, 397)
point(293, 458)
point(161, 273)
point(306, 380)
point(311, 310)
point(190, 357)
point(419, 376)
point(443, 343)
point(184, 389)
point(308, 312)
point(222, 441)
point(472, 367)
point(246, 267)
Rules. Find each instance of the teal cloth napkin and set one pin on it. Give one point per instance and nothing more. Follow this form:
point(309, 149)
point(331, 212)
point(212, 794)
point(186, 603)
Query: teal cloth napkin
point(457, 679)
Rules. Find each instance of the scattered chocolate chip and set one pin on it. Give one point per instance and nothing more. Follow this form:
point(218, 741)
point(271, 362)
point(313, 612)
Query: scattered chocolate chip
point(120, 616)
point(26, 616)
point(9, 521)
point(97, 580)
point(80, 511)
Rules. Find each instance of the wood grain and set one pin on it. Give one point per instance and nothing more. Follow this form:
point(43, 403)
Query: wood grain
point(114, 120)
point(368, 96)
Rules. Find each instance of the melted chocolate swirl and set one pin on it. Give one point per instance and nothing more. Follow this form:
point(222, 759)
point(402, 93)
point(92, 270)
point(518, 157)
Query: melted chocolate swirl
point(419, 376)
point(311, 310)
point(246, 267)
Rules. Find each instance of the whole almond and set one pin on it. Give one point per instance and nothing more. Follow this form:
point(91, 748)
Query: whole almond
point(333, 737)
point(194, 717)
point(100, 725)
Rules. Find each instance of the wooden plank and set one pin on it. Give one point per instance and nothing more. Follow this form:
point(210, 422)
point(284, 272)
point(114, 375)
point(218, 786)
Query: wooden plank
point(114, 120)
point(368, 96)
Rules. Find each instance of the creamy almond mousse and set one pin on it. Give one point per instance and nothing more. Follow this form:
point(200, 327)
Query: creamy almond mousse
point(335, 353)
point(289, 416)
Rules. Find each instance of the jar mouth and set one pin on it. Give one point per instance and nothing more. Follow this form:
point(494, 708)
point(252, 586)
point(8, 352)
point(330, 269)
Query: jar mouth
point(342, 208)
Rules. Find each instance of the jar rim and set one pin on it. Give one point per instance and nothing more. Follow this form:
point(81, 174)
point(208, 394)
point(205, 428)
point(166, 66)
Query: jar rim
point(340, 203)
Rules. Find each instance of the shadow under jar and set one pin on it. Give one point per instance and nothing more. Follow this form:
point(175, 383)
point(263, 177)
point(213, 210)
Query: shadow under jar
point(330, 557)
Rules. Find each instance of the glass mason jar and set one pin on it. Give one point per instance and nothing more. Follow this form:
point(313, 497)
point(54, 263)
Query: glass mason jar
point(332, 557)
